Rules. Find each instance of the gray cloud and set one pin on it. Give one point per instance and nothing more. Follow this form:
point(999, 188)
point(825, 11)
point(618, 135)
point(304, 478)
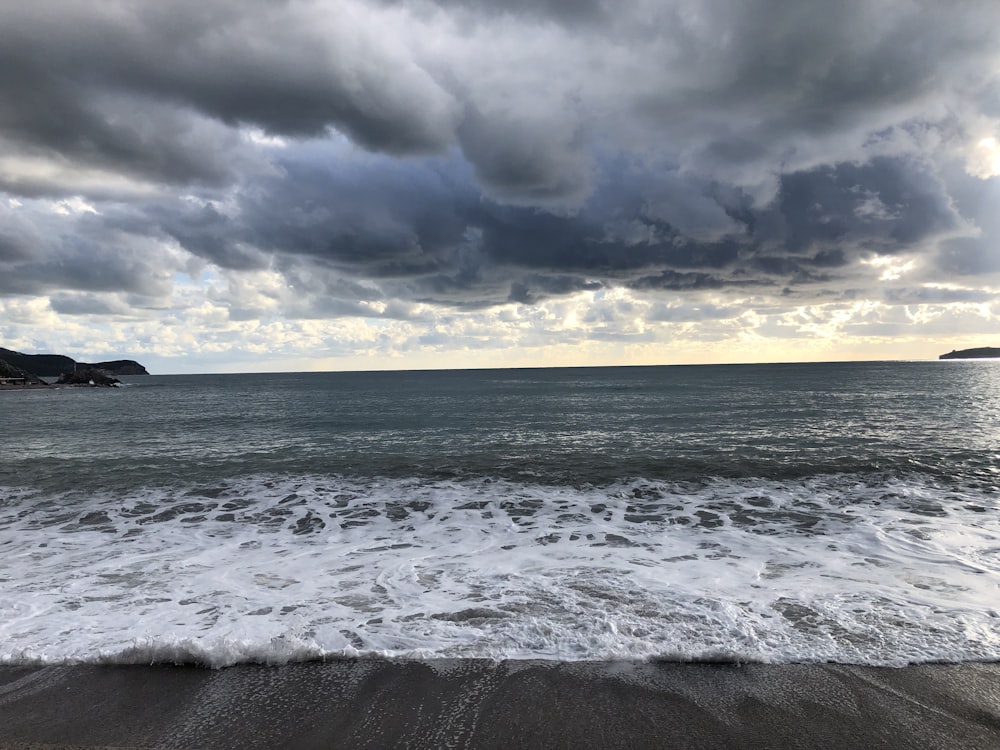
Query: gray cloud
point(85, 267)
point(522, 161)
point(107, 86)
point(423, 232)
point(19, 241)
point(469, 154)
point(937, 296)
point(88, 304)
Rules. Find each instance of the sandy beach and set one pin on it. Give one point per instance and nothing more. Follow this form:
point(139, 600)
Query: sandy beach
point(481, 704)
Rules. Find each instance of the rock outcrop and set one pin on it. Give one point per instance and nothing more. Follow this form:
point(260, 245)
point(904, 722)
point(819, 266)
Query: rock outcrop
point(88, 376)
point(983, 352)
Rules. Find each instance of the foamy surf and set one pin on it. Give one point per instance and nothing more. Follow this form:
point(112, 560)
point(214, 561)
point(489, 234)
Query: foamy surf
point(879, 569)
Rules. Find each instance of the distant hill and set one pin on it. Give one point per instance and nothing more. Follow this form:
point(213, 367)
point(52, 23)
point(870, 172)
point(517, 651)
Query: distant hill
point(983, 352)
point(44, 365)
point(54, 365)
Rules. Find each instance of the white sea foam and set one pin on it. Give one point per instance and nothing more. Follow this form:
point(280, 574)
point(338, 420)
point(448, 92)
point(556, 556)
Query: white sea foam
point(846, 568)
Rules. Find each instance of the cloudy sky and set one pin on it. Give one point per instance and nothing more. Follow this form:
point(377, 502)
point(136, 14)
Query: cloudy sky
point(253, 185)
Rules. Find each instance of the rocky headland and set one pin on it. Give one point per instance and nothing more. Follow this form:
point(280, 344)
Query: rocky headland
point(18, 370)
point(983, 352)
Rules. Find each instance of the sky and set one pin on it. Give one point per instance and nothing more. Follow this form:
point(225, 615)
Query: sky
point(274, 185)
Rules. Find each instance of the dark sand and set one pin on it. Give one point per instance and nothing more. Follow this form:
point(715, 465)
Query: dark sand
point(479, 704)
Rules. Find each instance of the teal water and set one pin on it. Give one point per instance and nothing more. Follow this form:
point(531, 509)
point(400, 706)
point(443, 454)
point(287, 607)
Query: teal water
point(560, 426)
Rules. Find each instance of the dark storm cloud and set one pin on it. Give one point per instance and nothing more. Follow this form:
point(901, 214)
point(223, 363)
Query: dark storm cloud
point(423, 231)
point(887, 205)
point(18, 242)
point(46, 111)
point(49, 250)
point(937, 296)
point(80, 81)
point(676, 281)
point(972, 256)
point(200, 228)
point(103, 84)
point(569, 12)
point(473, 153)
point(535, 288)
point(371, 218)
point(84, 268)
point(525, 162)
point(87, 304)
point(783, 70)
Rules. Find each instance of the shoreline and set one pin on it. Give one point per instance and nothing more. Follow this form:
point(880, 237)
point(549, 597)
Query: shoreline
point(47, 387)
point(469, 703)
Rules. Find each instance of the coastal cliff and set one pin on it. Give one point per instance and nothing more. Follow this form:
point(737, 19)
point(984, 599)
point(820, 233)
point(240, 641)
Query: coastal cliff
point(983, 352)
point(54, 365)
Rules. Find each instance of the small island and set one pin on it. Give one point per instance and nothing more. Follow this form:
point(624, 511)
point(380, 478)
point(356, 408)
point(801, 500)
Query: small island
point(983, 352)
point(18, 370)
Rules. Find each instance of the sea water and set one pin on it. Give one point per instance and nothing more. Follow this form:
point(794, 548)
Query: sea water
point(776, 513)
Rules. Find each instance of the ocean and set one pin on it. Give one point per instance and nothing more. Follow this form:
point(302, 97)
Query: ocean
point(793, 513)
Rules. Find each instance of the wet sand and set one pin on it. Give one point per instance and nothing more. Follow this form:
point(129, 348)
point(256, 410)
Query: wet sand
point(481, 704)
